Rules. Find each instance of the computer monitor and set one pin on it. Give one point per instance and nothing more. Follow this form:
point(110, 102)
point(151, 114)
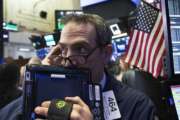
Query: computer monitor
point(37, 41)
point(49, 40)
point(136, 2)
point(175, 89)
point(172, 91)
point(59, 14)
point(41, 53)
point(176, 56)
point(175, 40)
point(10, 26)
point(119, 45)
point(170, 9)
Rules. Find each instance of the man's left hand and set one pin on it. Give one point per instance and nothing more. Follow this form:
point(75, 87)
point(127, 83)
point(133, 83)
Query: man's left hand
point(80, 110)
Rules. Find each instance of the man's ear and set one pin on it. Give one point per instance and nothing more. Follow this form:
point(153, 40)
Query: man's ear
point(107, 53)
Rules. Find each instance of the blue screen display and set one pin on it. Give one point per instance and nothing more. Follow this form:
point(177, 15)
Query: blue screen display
point(136, 2)
point(119, 45)
point(56, 85)
point(41, 53)
point(49, 40)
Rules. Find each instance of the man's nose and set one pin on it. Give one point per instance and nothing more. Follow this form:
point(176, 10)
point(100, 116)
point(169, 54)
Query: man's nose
point(67, 62)
point(67, 53)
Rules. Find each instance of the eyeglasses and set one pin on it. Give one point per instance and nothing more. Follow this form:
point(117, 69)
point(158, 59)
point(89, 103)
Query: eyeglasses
point(74, 59)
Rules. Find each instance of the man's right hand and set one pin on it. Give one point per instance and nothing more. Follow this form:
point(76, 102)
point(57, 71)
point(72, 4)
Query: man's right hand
point(52, 56)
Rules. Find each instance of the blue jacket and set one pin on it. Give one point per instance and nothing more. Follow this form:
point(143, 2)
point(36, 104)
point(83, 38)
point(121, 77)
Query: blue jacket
point(12, 111)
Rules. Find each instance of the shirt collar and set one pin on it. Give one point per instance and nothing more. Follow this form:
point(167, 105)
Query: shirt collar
point(103, 81)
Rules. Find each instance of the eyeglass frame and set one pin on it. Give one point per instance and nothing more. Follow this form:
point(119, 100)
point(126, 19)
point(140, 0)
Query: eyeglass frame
point(85, 57)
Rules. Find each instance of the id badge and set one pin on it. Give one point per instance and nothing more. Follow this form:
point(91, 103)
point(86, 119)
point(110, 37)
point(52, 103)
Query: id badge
point(111, 109)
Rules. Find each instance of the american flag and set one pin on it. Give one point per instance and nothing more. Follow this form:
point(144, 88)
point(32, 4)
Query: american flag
point(146, 47)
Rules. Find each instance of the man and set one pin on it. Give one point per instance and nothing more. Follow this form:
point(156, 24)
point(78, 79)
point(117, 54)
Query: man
point(85, 42)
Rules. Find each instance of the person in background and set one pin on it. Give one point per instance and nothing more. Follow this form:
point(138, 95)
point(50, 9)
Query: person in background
point(86, 43)
point(33, 60)
point(113, 67)
point(124, 67)
point(8, 60)
point(118, 67)
point(9, 77)
point(13, 110)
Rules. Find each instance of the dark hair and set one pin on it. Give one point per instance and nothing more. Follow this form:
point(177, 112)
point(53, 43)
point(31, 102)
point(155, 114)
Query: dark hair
point(9, 74)
point(104, 35)
point(9, 77)
point(113, 67)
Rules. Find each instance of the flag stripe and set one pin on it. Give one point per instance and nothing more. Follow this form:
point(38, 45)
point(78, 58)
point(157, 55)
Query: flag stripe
point(136, 48)
point(158, 64)
point(140, 49)
point(154, 44)
point(143, 63)
point(155, 48)
point(130, 46)
point(142, 52)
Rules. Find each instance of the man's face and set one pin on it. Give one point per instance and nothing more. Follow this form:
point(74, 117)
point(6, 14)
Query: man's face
point(80, 39)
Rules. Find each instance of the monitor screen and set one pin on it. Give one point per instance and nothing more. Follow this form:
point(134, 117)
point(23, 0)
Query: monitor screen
point(10, 26)
point(175, 40)
point(119, 45)
point(59, 14)
point(175, 90)
point(136, 2)
point(49, 40)
point(52, 38)
point(41, 53)
point(37, 42)
point(176, 58)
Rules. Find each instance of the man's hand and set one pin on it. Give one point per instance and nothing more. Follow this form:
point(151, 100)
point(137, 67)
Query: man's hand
point(80, 110)
point(52, 57)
